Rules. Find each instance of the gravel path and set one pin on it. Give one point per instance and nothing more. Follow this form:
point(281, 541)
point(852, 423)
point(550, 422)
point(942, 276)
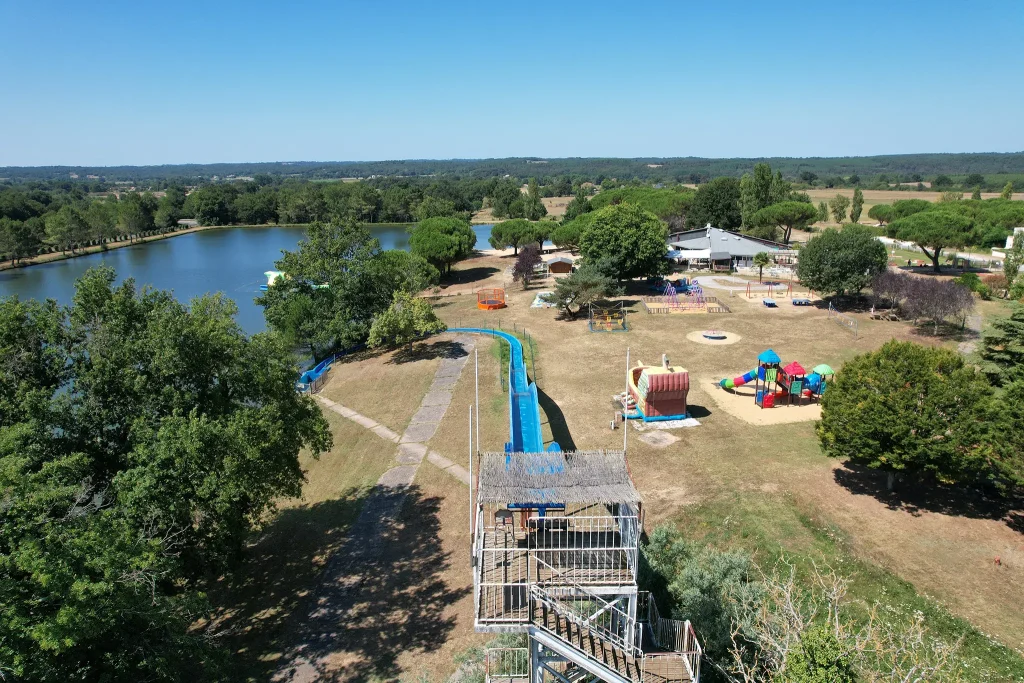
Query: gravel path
point(336, 600)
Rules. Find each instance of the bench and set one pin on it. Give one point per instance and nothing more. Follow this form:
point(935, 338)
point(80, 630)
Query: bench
point(770, 303)
point(801, 302)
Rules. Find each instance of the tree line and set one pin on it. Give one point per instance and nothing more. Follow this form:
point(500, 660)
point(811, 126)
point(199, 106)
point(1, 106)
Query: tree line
point(897, 168)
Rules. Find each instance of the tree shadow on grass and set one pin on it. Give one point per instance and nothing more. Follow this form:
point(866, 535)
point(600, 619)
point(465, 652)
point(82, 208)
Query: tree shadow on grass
point(428, 351)
point(916, 497)
point(556, 421)
point(946, 331)
point(468, 276)
point(280, 568)
point(382, 594)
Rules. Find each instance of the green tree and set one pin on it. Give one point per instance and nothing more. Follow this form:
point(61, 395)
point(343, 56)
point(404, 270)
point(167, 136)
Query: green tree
point(567, 234)
point(882, 213)
point(822, 211)
point(17, 240)
point(857, 206)
point(579, 205)
point(135, 215)
point(908, 409)
point(974, 179)
point(761, 259)
point(838, 206)
point(66, 229)
point(434, 207)
point(820, 657)
point(760, 190)
point(443, 241)
point(841, 261)
point(908, 207)
point(141, 442)
point(407, 319)
point(1013, 261)
point(533, 206)
point(933, 230)
point(335, 283)
point(1007, 192)
point(513, 233)
point(786, 216)
point(631, 238)
point(716, 203)
point(255, 208)
point(579, 289)
point(1002, 348)
point(976, 194)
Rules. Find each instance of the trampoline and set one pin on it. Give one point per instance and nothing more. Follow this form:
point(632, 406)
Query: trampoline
point(714, 334)
point(490, 299)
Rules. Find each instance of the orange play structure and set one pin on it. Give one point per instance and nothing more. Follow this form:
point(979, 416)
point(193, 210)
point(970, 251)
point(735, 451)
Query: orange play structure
point(490, 299)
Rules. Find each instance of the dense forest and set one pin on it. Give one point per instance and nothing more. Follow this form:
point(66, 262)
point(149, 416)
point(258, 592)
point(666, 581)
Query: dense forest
point(896, 167)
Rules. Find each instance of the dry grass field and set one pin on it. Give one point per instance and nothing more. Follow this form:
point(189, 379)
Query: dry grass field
point(554, 205)
point(872, 197)
point(764, 488)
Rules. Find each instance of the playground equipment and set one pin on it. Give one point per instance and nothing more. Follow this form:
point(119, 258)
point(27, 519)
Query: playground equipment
point(772, 289)
point(774, 383)
point(566, 575)
point(656, 393)
point(610, 319)
point(714, 335)
point(683, 296)
point(272, 276)
point(490, 299)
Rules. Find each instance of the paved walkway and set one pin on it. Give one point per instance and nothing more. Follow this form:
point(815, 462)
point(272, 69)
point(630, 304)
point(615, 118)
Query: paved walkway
point(337, 596)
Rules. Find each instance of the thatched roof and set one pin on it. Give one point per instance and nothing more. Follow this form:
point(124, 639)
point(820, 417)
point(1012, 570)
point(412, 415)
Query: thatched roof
point(577, 477)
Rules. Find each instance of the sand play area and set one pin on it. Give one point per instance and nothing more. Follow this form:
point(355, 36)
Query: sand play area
point(740, 403)
point(728, 337)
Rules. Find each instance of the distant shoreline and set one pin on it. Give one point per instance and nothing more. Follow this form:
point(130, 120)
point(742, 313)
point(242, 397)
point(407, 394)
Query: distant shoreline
point(54, 257)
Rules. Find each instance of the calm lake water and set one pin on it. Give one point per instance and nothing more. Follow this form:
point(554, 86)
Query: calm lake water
point(229, 260)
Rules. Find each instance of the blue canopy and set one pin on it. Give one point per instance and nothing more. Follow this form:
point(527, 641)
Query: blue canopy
point(769, 356)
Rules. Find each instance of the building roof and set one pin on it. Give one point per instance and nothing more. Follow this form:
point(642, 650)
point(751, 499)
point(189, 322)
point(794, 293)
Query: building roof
point(560, 259)
point(720, 241)
point(576, 477)
point(769, 356)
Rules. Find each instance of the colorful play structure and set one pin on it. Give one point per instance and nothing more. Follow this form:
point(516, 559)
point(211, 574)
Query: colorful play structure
point(656, 393)
point(490, 299)
point(610, 319)
point(682, 296)
point(775, 383)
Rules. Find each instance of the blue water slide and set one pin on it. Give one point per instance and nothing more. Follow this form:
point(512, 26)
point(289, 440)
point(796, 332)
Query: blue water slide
point(523, 407)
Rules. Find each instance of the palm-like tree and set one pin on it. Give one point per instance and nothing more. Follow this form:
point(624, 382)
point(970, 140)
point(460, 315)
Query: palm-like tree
point(761, 259)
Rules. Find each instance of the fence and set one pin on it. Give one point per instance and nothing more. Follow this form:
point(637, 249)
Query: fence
point(843, 320)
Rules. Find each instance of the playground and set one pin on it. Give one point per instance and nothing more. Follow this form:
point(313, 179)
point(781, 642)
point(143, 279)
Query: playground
point(748, 477)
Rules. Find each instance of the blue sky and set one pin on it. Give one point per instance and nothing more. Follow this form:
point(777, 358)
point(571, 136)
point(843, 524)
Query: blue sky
point(149, 83)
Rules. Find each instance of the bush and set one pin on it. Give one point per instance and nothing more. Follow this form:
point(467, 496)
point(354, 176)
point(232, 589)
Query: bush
point(912, 409)
point(838, 261)
point(634, 239)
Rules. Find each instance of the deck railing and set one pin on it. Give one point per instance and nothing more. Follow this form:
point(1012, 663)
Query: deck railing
point(506, 664)
point(671, 634)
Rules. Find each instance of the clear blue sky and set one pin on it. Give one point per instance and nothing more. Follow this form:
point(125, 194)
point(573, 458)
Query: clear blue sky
point(104, 83)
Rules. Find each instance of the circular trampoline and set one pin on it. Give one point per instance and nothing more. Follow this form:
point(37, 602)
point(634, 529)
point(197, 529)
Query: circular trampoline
point(490, 299)
point(715, 335)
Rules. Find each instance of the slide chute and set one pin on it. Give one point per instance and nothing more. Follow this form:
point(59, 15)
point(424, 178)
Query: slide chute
point(738, 381)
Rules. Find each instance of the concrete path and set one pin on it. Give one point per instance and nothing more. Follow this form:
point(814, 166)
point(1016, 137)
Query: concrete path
point(337, 597)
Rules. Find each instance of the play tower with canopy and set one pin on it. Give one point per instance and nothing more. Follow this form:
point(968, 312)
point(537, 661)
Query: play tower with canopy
point(556, 555)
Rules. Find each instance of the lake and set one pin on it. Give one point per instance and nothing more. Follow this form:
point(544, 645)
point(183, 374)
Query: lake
point(229, 260)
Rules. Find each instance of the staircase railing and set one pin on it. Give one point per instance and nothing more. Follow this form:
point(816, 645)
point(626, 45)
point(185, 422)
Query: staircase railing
point(672, 634)
point(607, 623)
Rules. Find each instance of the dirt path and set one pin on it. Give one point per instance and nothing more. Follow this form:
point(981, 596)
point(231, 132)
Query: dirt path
point(334, 635)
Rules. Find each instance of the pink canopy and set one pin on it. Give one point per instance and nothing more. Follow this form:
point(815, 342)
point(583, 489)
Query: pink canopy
point(794, 369)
